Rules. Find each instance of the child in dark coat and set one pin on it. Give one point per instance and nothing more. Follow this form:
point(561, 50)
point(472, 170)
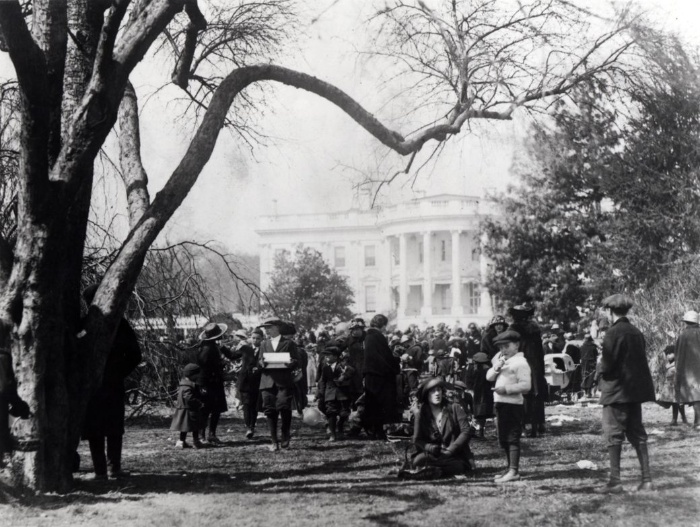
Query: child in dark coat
point(187, 410)
point(336, 385)
point(483, 391)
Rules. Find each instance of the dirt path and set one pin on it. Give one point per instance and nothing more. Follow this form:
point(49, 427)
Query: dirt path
point(348, 483)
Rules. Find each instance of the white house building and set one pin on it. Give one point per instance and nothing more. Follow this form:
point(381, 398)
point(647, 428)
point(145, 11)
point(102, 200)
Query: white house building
point(420, 260)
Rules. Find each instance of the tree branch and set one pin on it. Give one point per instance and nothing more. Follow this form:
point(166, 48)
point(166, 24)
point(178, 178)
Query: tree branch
point(132, 172)
point(197, 23)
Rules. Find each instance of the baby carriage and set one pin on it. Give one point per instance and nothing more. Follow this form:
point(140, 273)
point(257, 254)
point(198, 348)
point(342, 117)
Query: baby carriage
point(561, 373)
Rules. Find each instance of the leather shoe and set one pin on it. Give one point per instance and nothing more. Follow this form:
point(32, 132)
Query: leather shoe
point(646, 485)
point(611, 488)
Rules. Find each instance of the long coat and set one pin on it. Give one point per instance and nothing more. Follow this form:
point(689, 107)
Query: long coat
point(589, 358)
point(106, 408)
point(483, 390)
point(531, 347)
point(688, 365)
point(281, 377)
point(356, 352)
point(336, 382)
point(381, 369)
point(189, 403)
point(210, 359)
point(625, 375)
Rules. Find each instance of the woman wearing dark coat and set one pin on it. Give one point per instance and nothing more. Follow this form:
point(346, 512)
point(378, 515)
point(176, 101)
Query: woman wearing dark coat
point(497, 325)
point(531, 347)
point(441, 434)
point(210, 360)
point(380, 371)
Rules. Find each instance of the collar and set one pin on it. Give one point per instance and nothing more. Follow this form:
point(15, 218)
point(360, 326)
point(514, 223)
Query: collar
point(621, 319)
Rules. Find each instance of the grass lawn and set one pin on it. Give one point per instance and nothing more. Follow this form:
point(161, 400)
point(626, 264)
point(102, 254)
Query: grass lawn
point(350, 482)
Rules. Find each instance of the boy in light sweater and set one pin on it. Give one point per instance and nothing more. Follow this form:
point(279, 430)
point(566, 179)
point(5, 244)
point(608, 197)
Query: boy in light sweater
point(512, 377)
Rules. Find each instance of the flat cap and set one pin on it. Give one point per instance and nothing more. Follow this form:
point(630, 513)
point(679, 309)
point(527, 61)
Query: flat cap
point(618, 302)
point(507, 336)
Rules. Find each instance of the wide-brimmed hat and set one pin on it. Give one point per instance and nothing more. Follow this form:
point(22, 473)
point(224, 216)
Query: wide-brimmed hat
point(507, 336)
point(691, 316)
point(241, 334)
point(498, 319)
point(213, 331)
point(460, 385)
point(426, 386)
point(357, 323)
point(524, 309)
point(272, 321)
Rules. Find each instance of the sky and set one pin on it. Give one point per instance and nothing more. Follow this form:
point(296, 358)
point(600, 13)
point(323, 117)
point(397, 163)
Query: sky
point(314, 153)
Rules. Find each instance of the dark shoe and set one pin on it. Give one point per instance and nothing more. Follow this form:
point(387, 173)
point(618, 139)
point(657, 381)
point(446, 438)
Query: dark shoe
point(533, 431)
point(274, 447)
point(100, 477)
point(646, 485)
point(611, 488)
point(118, 474)
point(213, 440)
point(197, 444)
point(422, 474)
point(541, 429)
point(249, 434)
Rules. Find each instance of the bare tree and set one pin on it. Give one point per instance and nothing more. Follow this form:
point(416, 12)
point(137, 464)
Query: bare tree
point(73, 61)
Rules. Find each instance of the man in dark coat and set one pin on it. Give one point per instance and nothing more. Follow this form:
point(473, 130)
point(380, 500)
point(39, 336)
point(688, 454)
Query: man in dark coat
point(625, 384)
point(104, 419)
point(276, 382)
point(380, 371)
point(531, 347)
point(589, 358)
point(355, 346)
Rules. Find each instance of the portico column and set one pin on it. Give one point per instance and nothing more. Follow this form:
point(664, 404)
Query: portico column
point(485, 309)
point(457, 309)
point(427, 308)
point(403, 276)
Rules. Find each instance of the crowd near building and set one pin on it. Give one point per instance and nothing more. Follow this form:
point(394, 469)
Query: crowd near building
point(420, 259)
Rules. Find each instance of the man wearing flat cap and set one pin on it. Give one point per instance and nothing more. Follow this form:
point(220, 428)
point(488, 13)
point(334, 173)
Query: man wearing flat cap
point(277, 384)
point(624, 385)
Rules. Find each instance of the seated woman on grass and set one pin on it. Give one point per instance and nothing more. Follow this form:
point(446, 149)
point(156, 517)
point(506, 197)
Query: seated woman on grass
point(441, 435)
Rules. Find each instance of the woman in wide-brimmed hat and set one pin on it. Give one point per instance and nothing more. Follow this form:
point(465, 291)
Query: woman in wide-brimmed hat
point(209, 359)
point(440, 434)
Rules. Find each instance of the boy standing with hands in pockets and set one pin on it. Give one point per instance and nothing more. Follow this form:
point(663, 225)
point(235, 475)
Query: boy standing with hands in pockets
point(512, 377)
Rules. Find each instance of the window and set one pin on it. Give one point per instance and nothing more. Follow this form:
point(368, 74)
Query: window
point(370, 260)
point(370, 298)
point(339, 257)
point(443, 250)
point(471, 297)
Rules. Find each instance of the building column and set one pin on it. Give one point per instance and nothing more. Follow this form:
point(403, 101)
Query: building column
point(457, 309)
point(384, 290)
point(403, 275)
point(485, 308)
point(427, 308)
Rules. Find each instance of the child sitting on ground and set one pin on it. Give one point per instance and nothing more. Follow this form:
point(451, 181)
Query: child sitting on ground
point(511, 374)
point(187, 410)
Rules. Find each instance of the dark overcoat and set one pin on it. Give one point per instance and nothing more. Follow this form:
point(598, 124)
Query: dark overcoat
point(380, 373)
point(483, 390)
point(211, 361)
point(532, 349)
point(624, 372)
point(688, 365)
point(105, 411)
point(336, 382)
point(589, 357)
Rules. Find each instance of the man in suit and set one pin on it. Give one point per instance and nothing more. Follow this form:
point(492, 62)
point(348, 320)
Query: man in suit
point(625, 384)
point(276, 382)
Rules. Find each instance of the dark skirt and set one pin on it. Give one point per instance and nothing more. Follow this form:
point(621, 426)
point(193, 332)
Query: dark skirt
point(215, 397)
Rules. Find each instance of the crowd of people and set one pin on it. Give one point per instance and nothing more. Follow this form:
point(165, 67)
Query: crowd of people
point(436, 387)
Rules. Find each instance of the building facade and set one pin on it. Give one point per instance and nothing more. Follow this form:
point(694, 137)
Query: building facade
point(419, 261)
